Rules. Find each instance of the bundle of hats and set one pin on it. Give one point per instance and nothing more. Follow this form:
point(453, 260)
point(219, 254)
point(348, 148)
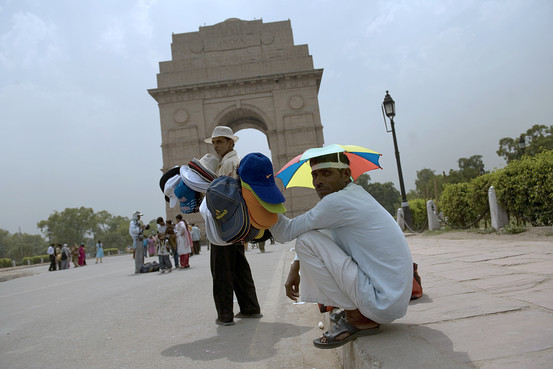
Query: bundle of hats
point(243, 208)
point(262, 196)
point(186, 184)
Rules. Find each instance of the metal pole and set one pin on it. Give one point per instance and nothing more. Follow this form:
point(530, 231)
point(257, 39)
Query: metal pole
point(404, 202)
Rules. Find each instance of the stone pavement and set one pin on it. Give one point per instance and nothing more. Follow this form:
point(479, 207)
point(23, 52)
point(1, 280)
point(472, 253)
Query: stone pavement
point(488, 303)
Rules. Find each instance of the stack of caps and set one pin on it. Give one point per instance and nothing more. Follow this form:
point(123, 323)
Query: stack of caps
point(186, 185)
point(198, 174)
point(206, 167)
point(263, 198)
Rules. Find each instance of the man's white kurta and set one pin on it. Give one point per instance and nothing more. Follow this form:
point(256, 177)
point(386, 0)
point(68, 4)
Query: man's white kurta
point(364, 230)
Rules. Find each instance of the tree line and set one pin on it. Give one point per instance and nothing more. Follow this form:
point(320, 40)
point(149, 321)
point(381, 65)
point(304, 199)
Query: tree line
point(70, 226)
point(429, 185)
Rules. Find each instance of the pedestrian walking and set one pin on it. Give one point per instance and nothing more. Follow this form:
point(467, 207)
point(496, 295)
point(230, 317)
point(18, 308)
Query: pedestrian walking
point(65, 255)
point(196, 237)
point(52, 255)
point(99, 251)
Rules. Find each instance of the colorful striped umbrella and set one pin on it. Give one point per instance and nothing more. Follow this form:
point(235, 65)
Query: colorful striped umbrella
point(297, 173)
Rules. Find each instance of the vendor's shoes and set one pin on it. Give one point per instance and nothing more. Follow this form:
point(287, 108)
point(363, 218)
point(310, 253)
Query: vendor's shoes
point(226, 324)
point(248, 316)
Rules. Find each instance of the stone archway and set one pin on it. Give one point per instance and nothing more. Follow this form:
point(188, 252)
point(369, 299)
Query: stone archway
point(242, 74)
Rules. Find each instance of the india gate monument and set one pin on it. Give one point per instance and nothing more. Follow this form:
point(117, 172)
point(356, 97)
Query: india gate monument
point(240, 74)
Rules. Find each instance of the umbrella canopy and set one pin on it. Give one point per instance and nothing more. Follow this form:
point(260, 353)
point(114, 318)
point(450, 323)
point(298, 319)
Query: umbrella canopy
point(297, 173)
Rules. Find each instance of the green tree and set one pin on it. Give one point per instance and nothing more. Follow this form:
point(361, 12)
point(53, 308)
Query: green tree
point(4, 243)
point(428, 185)
point(23, 244)
point(385, 193)
point(19, 245)
point(363, 180)
point(112, 230)
point(455, 203)
point(469, 168)
point(537, 139)
point(525, 189)
point(69, 226)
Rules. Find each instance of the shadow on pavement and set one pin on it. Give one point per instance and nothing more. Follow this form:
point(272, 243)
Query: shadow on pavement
point(424, 299)
point(406, 346)
point(244, 342)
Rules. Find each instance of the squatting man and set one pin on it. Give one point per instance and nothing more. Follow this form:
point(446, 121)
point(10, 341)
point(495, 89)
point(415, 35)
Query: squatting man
point(352, 254)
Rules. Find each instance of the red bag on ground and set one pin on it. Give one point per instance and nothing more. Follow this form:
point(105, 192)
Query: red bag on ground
point(417, 285)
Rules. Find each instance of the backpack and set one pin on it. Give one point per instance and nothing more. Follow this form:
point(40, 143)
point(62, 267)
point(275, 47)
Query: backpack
point(149, 267)
point(229, 210)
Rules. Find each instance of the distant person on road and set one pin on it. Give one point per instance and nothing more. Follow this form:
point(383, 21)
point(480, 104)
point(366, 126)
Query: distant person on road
point(172, 239)
point(136, 231)
point(151, 246)
point(57, 251)
point(65, 255)
point(52, 255)
point(99, 251)
point(352, 253)
point(75, 255)
point(82, 255)
point(163, 249)
point(196, 237)
point(145, 246)
point(184, 241)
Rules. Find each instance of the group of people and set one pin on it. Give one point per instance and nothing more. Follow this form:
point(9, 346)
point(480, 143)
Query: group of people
point(352, 253)
point(178, 239)
point(62, 256)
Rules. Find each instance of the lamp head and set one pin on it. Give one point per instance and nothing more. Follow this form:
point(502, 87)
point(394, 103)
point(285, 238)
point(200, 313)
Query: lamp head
point(389, 106)
point(522, 143)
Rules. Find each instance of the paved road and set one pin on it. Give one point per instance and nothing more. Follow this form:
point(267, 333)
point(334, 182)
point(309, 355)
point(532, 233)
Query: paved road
point(105, 316)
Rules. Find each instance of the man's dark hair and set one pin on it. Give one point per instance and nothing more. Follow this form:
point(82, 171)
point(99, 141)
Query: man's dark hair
point(179, 217)
point(329, 158)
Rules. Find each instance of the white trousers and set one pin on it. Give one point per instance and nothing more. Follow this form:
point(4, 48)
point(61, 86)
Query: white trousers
point(328, 275)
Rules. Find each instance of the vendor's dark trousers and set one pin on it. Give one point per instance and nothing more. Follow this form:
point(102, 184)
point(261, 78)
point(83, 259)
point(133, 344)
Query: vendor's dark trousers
point(231, 273)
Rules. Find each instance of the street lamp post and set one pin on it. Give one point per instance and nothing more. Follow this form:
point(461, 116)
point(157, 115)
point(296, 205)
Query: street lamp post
point(389, 107)
point(522, 144)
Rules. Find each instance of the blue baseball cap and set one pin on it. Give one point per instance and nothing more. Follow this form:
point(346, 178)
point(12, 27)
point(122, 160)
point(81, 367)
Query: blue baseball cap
point(257, 171)
point(229, 210)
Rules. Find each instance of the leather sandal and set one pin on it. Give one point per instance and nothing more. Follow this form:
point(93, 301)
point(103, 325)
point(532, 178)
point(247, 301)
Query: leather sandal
point(343, 327)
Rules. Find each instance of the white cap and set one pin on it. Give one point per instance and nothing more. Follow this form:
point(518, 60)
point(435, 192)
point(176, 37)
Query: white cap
point(210, 162)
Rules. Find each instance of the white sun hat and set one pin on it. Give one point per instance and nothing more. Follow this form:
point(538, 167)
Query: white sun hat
point(221, 131)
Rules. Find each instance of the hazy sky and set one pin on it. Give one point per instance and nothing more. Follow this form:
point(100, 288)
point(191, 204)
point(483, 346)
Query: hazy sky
point(79, 128)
